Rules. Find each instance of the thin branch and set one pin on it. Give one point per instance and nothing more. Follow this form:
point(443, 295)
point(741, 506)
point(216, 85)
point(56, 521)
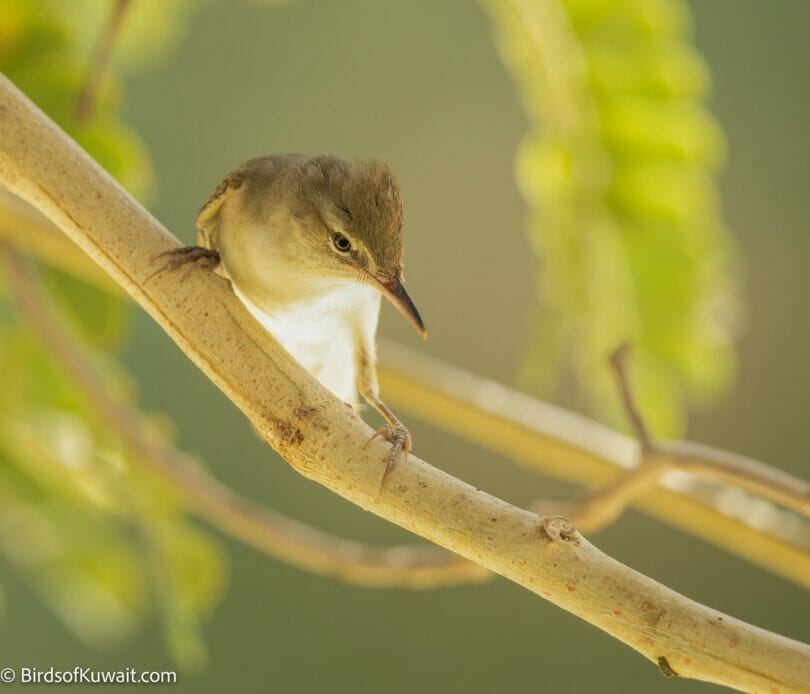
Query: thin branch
point(565, 445)
point(750, 475)
point(291, 541)
point(618, 360)
point(86, 101)
point(537, 434)
point(603, 505)
point(324, 441)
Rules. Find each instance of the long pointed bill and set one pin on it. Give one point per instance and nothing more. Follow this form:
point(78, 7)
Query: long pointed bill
point(396, 294)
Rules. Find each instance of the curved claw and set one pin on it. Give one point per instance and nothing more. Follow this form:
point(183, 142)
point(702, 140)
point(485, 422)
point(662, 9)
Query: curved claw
point(182, 256)
point(380, 432)
point(401, 444)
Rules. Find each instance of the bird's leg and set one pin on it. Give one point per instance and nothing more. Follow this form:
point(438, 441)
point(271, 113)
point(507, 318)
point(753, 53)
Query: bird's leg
point(393, 430)
point(178, 257)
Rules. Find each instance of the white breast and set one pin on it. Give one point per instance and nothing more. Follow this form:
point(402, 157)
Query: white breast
point(320, 333)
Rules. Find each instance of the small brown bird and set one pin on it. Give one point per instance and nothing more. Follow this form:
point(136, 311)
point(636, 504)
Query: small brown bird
point(310, 244)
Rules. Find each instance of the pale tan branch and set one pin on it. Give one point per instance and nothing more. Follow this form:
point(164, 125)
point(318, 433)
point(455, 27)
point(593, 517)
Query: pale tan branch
point(324, 441)
point(277, 535)
point(567, 446)
point(35, 235)
point(729, 468)
point(604, 504)
point(542, 436)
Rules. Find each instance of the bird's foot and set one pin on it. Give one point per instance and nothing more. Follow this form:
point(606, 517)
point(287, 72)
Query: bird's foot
point(204, 257)
point(401, 443)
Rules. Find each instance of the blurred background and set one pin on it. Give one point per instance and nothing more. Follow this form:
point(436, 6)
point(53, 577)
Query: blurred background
point(421, 84)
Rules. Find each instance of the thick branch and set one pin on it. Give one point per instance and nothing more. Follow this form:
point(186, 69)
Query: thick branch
point(35, 235)
point(282, 537)
point(324, 441)
point(565, 445)
point(547, 438)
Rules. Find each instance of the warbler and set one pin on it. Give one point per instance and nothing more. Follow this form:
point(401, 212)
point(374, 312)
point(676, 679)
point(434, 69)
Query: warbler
point(310, 244)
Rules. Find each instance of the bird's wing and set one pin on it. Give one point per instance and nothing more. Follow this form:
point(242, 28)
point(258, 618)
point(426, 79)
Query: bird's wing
point(233, 181)
point(261, 168)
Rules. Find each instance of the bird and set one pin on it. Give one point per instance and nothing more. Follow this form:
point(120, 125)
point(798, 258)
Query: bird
point(310, 245)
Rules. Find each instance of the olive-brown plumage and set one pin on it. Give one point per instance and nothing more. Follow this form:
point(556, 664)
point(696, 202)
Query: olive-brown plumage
point(310, 244)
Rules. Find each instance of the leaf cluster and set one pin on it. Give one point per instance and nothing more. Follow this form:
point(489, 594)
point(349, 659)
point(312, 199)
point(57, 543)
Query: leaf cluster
point(620, 175)
point(107, 544)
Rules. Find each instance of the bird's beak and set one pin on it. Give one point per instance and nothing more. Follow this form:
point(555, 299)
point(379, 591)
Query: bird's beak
point(394, 291)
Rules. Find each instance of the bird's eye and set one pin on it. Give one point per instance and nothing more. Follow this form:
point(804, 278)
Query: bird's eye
point(341, 243)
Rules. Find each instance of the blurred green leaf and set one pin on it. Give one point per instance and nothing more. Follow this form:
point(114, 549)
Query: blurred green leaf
point(45, 48)
point(150, 31)
point(105, 540)
point(619, 173)
point(98, 316)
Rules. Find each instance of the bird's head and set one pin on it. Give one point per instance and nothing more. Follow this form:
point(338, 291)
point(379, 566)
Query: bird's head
point(354, 215)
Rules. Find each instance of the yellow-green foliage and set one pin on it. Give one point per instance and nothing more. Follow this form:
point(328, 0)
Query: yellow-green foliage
point(105, 541)
point(619, 173)
point(45, 49)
